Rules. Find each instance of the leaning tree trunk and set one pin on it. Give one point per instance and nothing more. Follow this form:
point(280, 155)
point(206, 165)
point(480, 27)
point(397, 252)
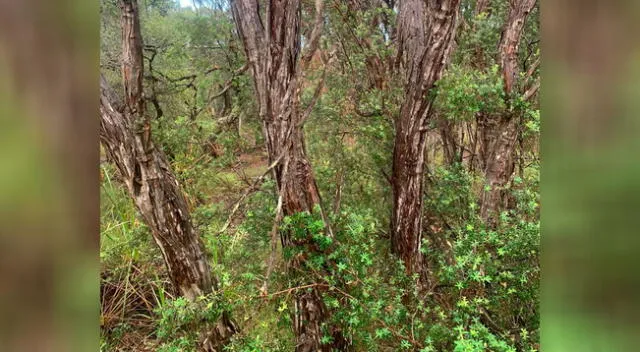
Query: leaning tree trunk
point(426, 31)
point(500, 133)
point(126, 136)
point(274, 54)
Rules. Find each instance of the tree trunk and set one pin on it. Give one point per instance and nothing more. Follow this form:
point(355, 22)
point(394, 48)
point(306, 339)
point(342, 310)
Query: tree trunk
point(277, 63)
point(126, 136)
point(451, 148)
point(499, 138)
point(500, 133)
point(426, 31)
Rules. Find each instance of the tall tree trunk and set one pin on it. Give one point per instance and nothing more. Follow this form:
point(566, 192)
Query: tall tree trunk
point(425, 31)
point(277, 63)
point(125, 133)
point(500, 133)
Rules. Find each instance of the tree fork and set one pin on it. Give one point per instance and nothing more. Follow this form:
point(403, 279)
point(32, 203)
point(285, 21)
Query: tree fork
point(500, 133)
point(277, 63)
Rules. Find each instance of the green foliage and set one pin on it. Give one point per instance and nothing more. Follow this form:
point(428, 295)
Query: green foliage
point(123, 237)
point(494, 274)
point(477, 338)
point(530, 116)
point(463, 92)
point(180, 321)
point(479, 46)
point(450, 192)
point(482, 288)
point(256, 344)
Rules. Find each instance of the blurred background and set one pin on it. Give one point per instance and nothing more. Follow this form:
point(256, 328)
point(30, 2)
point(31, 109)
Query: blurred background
point(590, 189)
point(49, 175)
point(49, 178)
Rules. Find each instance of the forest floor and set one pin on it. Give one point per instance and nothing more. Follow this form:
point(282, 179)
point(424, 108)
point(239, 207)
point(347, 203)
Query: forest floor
point(129, 290)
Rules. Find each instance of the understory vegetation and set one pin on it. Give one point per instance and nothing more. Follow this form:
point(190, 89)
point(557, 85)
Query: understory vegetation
point(479, 287)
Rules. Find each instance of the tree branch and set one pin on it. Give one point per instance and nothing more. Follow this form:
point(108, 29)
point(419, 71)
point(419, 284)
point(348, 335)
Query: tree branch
point(532, 69)
point(246, 193)
point(532, 90)
point(314, 100)
point(315, 35)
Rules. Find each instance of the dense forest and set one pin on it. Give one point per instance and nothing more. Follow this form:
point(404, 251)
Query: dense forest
point(326, 175)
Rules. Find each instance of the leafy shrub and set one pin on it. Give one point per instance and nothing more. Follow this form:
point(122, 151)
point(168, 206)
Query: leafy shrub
point(463, 92)
point(180, 321)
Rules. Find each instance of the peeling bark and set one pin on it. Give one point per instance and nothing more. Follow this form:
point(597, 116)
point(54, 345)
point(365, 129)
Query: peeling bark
point(277, 63)
point(426, 31)
point(500, 133)
point(126, 136)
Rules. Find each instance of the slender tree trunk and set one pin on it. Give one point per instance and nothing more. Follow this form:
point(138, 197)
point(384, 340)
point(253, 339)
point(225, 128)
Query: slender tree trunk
point(452, 149)
point(426, 31)
point(500, 136)
point(337, 199)
point(500, 133)
point(126, 136)
point(276, 61)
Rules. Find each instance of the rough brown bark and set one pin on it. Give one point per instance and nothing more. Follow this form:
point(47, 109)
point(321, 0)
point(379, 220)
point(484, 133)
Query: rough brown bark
point(510, 41)
point(49, 216)
point(500, 133)
point(277, 62)
point(425, 33)
point(126, 137)
point(273, 54)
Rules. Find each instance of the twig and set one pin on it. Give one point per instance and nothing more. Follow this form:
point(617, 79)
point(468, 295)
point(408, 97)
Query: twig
point(315, 35)
point(532, 69)
point(246, 193)
point(225, 88)
point(289, 290)
point(274, 233)
point(274, 246)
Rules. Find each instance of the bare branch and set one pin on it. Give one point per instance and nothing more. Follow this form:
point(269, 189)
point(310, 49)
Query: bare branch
point(314, 100)
point(246, 193)
point(315, 35)
point(532, 69)
point(274, 229)
point(532, 90)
